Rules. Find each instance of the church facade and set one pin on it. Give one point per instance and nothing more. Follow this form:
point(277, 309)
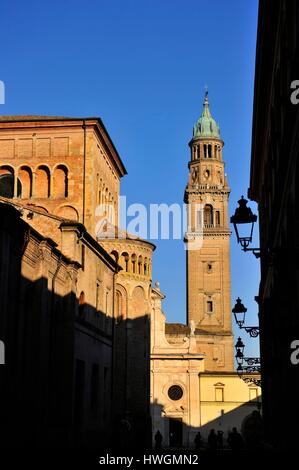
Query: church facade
point(194, 386)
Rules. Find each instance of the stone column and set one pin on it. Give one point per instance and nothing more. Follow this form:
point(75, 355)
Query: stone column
point(51, 183)
point(33, 184)
point(15, 186)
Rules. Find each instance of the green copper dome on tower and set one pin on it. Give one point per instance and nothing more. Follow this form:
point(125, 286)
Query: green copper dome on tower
point(206, 126)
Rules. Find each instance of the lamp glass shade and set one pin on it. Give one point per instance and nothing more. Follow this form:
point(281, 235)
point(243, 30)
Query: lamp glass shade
point(242, 217)
point(239, 312)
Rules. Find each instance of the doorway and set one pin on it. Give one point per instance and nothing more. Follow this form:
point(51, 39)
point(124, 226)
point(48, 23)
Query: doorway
point(175, 432)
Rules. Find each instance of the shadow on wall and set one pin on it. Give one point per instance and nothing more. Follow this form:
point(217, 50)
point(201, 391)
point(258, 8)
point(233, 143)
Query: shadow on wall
point(176, 434)
point(74, 377)
point(57, 386)
point(69, 379)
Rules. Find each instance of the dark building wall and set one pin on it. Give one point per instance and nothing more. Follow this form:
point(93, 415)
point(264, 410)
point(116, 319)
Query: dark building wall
point(36, 388)
point(55, 387)
point(274, 186)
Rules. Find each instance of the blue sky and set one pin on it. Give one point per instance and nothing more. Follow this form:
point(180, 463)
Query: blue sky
point(142, 66)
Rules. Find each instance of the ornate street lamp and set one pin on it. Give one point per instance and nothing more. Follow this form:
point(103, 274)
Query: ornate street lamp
point(243, 216)
point(239, 312)
point(247, 366)
point(239, 346)
point(253, 365)
point(239, 353)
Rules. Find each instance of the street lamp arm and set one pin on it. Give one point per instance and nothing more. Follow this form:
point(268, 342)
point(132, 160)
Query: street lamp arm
point(255, 251)
point(253, 331)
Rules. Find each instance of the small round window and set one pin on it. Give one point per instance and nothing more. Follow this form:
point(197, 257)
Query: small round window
point(175, 392)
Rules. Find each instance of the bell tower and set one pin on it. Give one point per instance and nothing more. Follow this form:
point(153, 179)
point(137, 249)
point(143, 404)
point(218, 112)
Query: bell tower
point(208, 261)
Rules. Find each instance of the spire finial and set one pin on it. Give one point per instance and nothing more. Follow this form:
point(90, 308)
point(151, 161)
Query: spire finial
point(206, 100)
point(206, 110)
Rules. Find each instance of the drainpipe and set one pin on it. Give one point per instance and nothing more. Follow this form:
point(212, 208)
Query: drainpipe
point(84, 170)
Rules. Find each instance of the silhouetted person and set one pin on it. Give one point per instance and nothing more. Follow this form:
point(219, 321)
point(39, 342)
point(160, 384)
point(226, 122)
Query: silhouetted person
point(212, 440)
point(235, 440)
point(158, 440)
point(197, 440)
point(220, 439)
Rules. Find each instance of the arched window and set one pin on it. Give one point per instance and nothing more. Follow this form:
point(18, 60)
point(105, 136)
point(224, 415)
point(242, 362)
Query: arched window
point(25, 176)
point(82, 304)
point(7, 178)
point(114, 254)
point(140, 265)
point(42, 182)
point(145, 267)
point(208, 215)
point(205, 151)
point(68, 212)
point(133, 259)
point(106, 201)
point(60, 182)
point(119, 306)
point(124, 262)
point(120, 303)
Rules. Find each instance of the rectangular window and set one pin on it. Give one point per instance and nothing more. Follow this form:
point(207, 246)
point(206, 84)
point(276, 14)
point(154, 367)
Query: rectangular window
point(253, 394)
point(217, 218)
point(219, 394)
point(210, 151)
point(209, 306)
point(208, 214)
